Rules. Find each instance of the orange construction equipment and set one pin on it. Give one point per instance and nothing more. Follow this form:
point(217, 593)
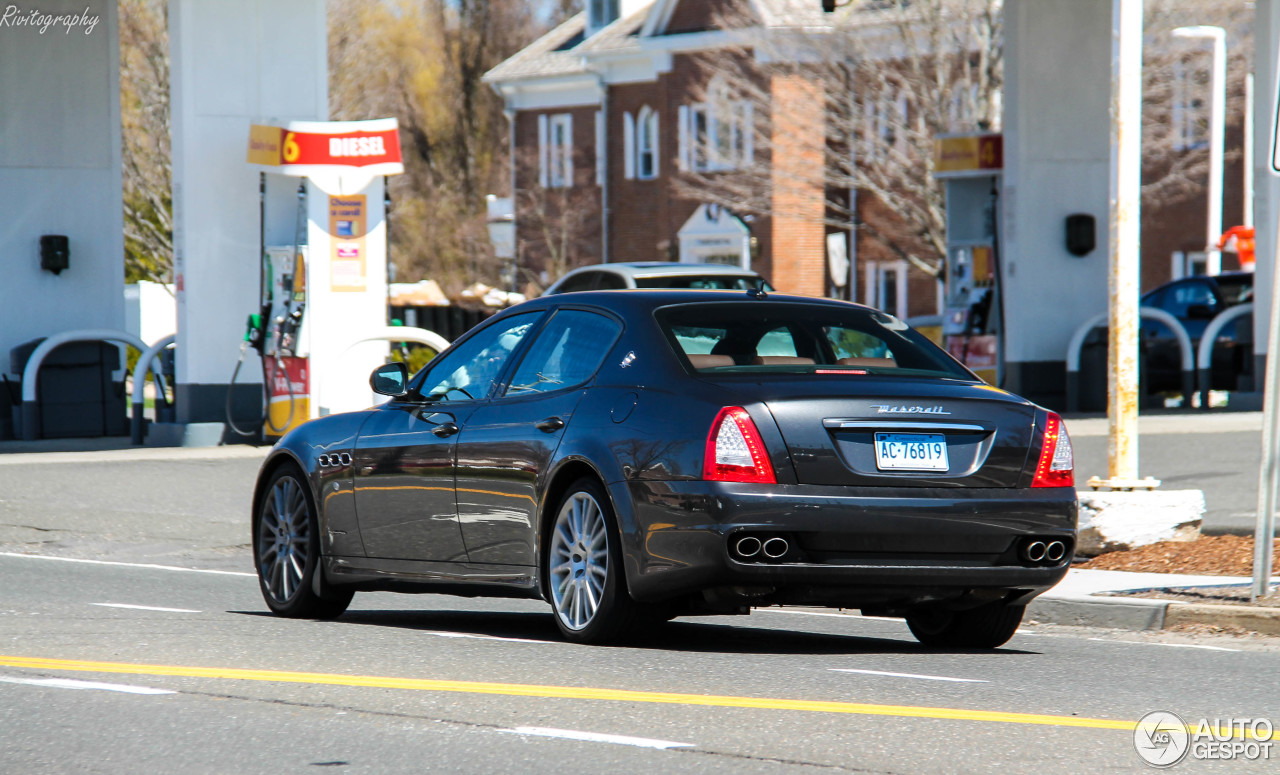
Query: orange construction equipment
point(1244, 244)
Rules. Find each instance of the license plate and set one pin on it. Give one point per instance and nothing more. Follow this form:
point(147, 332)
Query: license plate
point(911, 452)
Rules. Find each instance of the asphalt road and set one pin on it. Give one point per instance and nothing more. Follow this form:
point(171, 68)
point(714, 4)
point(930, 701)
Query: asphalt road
point(1217, 452)
point(133, 639)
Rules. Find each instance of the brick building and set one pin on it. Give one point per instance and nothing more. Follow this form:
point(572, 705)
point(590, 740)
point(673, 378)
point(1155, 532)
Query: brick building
point(612, 108)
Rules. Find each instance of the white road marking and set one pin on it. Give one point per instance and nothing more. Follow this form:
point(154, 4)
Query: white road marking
point(595, 737)
point(446, 634)
point(820, 613)
point(1169, 645)
point(910, 675)
point(147, 608)
point(67, 683)
point(127, 564)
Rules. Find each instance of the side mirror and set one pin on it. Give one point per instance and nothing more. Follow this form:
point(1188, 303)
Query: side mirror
point(391, 379)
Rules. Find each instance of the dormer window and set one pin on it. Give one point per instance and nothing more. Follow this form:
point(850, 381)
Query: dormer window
point(600, 14)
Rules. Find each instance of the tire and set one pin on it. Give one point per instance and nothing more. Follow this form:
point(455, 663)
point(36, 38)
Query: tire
point(985, 627)
point(286, 551)
point(582, 566)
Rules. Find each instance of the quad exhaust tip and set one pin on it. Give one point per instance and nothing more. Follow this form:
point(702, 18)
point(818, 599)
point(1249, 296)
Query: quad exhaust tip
point(775, 547)
point(748, 546)
point(1044, 550)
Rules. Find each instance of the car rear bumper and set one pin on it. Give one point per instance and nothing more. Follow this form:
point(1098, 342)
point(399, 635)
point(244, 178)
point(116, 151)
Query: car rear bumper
point(878, 548)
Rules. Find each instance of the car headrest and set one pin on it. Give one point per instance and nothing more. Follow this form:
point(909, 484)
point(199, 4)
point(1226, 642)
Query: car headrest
point(710, 361)
point(781, 360)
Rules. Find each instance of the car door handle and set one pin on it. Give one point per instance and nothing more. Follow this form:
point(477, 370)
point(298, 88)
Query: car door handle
point(445, 429)
point(549, 425)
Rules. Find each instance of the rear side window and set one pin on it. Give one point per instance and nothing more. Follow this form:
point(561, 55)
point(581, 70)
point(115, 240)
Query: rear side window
point(714, 282)
point(786, 337)
point(583, 281)
point(566, 353)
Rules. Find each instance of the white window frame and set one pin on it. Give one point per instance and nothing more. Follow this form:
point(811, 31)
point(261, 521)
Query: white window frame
point(1188, 108)
point(874, 289)
point(718, 135)
point(646, 131)
point(555, 153)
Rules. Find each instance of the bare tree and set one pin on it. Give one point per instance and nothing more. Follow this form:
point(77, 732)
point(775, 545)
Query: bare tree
point(887, 80)
point(1175, 91)
point(144, 108)
point(558, 227)
point(421, 61)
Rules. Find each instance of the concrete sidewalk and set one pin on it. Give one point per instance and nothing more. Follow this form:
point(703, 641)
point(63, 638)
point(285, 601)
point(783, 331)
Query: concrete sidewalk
point(1079, 600)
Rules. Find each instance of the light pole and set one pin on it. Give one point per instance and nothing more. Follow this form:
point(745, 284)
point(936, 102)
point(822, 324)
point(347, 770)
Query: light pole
point(1217, 113)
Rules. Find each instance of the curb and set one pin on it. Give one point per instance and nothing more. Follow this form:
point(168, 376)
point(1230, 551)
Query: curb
point(1149, 614)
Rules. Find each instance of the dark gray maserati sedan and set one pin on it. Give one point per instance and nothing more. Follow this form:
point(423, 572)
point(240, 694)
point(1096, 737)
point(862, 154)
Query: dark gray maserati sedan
point(634, 456)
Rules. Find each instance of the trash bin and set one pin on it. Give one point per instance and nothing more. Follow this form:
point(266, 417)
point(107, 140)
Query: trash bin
point(75, 394)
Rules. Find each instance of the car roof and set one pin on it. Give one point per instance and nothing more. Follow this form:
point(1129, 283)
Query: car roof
point(658, 268)
point(637, 299)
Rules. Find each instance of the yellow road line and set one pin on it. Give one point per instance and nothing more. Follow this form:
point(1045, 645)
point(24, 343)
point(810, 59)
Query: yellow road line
point(574, 693)
point(561, 692)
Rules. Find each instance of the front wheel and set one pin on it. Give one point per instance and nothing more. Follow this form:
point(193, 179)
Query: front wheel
point(286, 551)
point(583, 568)
point(984, 627)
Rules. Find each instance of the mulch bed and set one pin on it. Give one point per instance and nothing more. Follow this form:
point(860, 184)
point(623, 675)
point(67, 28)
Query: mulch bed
point(1206, 556)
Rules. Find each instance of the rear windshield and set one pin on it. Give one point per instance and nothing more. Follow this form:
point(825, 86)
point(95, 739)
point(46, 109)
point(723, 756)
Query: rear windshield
point(786, 337)
point(713, 282)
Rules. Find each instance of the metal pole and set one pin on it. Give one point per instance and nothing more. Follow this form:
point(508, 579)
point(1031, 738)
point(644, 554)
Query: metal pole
point(1126, 177)
point(1247, 218)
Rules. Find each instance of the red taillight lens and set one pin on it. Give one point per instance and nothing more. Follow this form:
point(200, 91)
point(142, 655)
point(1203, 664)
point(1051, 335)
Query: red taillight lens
point(735, 451)
point(1057, 466)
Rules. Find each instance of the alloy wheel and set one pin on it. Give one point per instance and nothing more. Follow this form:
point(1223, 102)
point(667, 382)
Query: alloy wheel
point(284, 534)
point(579, 561)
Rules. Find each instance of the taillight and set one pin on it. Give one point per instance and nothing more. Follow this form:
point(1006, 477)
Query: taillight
point(735, 451)
point(1057, 466)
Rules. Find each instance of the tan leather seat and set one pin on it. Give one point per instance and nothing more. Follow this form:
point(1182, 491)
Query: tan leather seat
point(781, 360)
point(882, 363)
point(710, 361)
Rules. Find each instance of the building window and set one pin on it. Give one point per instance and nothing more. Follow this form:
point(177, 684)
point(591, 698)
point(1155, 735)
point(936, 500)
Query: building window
point(600, 14)
point(716, 135)
point(555, 150)
point(1189, 107)
point(886, 287)
point(640, 144)
point(647, 145)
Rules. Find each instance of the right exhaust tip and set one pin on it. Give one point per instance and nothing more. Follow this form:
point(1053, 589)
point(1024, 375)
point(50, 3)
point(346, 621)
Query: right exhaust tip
point(747, 546)
point(775, 547)
point(1055, 551)
point(1036, 551)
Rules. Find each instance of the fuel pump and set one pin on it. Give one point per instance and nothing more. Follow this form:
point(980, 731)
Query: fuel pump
point(972, 320)
point(323, 266)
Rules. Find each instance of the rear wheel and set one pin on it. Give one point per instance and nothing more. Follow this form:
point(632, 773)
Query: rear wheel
point(286, 551)
point(583, 568)
point(985, 627)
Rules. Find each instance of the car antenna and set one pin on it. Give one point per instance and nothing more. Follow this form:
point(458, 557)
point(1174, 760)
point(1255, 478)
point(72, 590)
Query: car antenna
point(757, 293)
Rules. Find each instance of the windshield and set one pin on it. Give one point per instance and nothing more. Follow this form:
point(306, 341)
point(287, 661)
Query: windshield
point(1235, 289)
point(786, 337)
point(713, 282)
